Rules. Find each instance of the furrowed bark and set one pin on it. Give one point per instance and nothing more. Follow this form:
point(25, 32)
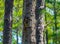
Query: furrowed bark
point(29, 30)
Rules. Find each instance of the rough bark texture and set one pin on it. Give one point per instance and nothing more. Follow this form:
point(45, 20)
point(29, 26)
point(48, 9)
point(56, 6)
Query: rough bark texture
point(29, 29)
point(39, 22)
point(7, 32)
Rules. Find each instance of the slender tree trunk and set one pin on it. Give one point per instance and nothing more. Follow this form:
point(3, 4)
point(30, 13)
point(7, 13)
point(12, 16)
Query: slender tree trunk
point(29, 29)
point(17, 35)
point(7, 32)
point(39, 21)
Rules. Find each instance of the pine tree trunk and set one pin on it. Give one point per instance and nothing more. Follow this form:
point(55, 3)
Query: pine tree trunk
point(7, 32)
point(29, 30)
point(39, 22)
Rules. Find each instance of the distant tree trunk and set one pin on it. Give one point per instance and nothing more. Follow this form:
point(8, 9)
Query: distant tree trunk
point(7, 32)
point(39, 21)
point(29, 29)
point(17, 35)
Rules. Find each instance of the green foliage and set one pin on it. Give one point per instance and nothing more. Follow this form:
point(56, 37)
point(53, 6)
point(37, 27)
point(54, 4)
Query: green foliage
point(52, 33)
point(49, 5)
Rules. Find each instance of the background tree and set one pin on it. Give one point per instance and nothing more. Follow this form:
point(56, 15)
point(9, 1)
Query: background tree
point(39, 21)
point(7, 32)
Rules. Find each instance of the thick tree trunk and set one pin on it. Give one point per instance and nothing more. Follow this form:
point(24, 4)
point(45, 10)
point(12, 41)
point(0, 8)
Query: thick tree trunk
point(39, 21)
point(7, 32)
point(29, 29)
